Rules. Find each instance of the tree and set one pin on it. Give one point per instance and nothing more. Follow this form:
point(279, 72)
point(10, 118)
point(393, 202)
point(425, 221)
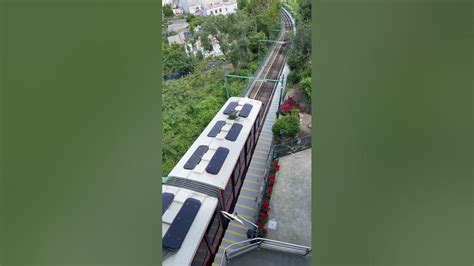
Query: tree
point(299, 56)
point(168, 10)
point(306, 87)
point(305, 10)
point(242, 4)
point(239, 34)
point(230, 33)
point(175, 59)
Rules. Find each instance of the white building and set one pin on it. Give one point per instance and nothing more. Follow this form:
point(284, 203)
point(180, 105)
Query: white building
point(191, 6)
point(194, 49)
point(170, 2)
point(208, 7)
point(219, 7)
point(197, 47)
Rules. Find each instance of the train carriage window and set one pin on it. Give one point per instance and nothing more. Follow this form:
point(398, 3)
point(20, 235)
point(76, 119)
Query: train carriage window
point(228, 195)
point(236, 173)
point(242, 158)
point(255, 131)
point(201, 254)
point(249, 142)
point(213, 229)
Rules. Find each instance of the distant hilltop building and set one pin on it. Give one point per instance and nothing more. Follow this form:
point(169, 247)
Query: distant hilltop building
point(208, 7)
point(170, 2)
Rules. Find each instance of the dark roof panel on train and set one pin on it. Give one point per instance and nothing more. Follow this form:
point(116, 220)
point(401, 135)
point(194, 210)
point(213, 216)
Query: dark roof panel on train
point(179, 228)
point(217, 160)
point(245, 110)
point(230, 107)
point(234, 132)
point(196, 157)
point(167, 199)
point(216, 129)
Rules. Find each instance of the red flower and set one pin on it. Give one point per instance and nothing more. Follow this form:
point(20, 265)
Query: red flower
point(263, 216)
point(266, 205)
point(278, 167)
point(284, 108)
point(288, 105)
point(270, 190)
point(271, 178)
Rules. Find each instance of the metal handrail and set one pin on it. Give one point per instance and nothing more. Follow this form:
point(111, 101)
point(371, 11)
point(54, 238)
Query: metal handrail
point(265, 243)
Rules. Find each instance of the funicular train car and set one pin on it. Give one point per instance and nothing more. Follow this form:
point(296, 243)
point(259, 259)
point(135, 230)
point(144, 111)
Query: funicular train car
point(213, 167)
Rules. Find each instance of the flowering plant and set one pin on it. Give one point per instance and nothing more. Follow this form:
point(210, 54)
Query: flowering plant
point(275, 168)
point(262, 231)
point(265, 207)
point(288, 105)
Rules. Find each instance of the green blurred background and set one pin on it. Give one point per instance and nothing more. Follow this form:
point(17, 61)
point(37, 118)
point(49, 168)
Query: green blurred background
point(81, 133)
point(393, 133)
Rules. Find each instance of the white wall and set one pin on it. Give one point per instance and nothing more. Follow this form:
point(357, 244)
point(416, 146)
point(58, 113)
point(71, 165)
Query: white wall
point(221, 10)
point(184, 5)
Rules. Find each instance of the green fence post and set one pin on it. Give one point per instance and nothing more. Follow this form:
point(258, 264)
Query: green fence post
point(225, 85)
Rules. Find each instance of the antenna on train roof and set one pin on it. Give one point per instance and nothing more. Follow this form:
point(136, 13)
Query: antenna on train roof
point(233, 115)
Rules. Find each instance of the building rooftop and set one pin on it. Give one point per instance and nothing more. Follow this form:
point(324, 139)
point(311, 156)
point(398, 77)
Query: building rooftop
point(178, 39)
point(178, 26)
point(217, 3)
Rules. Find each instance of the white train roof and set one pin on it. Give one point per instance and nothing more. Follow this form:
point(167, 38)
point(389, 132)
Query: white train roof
point(174, 199)
point(215, 150)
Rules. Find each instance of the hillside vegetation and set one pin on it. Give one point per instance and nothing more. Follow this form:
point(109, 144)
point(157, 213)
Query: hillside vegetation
point(190, 103)
point(299, 56)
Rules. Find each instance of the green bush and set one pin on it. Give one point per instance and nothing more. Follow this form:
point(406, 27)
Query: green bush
point(189, 104)
point(293, 77)
point(287, 126)
point(168, 11)
point(306, 87)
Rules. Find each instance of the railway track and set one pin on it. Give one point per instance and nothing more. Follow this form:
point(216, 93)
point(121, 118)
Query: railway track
point(264, 90)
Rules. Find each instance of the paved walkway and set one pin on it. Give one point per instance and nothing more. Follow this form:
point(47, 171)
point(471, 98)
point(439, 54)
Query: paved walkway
point(290, 204)
point(291, 209)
